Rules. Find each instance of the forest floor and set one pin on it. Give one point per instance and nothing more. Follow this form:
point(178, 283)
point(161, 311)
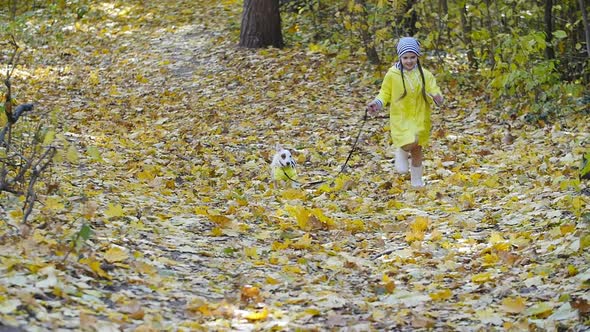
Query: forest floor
point(173, 128)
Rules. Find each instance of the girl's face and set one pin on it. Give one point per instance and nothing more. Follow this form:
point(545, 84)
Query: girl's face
point(409, 60)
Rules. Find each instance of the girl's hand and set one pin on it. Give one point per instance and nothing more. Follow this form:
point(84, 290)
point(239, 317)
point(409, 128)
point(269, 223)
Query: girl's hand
point(438, 99)
point(373, 107)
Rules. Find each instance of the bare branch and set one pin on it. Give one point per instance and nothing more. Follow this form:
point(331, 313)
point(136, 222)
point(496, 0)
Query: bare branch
point(23, 163)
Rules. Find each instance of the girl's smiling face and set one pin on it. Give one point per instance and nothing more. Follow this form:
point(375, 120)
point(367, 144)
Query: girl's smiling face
point(409, 60)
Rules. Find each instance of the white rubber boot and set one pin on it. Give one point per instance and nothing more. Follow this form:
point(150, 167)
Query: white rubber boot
point(401, 161)
point(416, 176)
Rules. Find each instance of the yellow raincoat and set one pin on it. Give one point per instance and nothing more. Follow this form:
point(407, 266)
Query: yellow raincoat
point(409, 117)
point(286, 173)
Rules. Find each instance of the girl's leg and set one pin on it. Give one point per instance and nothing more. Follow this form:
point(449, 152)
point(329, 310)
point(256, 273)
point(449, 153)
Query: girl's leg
point(401, 161)
point(416, 153)
point(416, 168)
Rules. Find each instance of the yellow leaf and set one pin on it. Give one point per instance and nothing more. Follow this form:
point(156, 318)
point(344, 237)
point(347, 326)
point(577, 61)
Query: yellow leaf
point(141, 79)
point(292, 194)
point(95, 267)
point(578, 205)
point(216, 231)
point(303, 243)
point(540, 310)
point(292, 269)
point(3, 119)
point(145, 268)
point(115, 254)
point(72, 155)
point(317, 48)
point(201, 210)
point(442, 295)
point(114, 211)
point(355, 226)
point(220, 220)
point(49, 137)
point(276, 245)
point(199, 305)
point(38, 237)
point(385, 278)
point(114, 91)
point(413, 235)
point(53, 203)
point(505, 246)
point(251, 253)
point(420, 224)
point(496, 238)
point(16, 214)
point(313, 312)
point(147, 174)
point(301, 215)
point(566, 229)
point(482, 277)
point(572, 270)
point(490, 259)
point(257, 315)
point(93, 78)
point(93, 153)
point(498, 242)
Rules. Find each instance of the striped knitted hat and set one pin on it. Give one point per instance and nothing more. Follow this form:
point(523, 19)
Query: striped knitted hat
point(408, 44)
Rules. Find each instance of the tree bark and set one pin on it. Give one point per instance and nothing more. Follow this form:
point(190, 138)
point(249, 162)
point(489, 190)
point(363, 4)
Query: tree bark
point(368, 41)
point(409, 18)
point(488, 22)
point(261, 24)
point(586, 25)
point(13, 9)
point(549, 52)
point(466, 32)
point(443, 27)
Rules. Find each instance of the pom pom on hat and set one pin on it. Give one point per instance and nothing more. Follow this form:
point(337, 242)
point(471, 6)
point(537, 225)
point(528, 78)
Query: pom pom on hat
point(408, 44)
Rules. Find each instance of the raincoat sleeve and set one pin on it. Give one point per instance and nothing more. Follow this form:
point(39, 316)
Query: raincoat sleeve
point(385, 92)
point(431, 86)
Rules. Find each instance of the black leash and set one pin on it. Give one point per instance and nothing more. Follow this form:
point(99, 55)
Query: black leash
point(364, 120)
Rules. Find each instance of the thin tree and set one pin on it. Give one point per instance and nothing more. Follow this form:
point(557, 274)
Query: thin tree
point(465, 35)
point(366, 36)
point(586, 26)
point(261, 24)
point(549, 52)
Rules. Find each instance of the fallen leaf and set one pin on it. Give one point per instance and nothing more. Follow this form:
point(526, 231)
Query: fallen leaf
point(115, 254)
point(257, 315)
point(513, 305)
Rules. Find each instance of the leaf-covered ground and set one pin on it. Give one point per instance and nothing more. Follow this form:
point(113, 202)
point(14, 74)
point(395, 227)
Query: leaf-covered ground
point(174, 126)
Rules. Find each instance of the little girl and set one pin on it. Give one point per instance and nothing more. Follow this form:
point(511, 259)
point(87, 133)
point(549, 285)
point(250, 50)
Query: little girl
point(410, 91)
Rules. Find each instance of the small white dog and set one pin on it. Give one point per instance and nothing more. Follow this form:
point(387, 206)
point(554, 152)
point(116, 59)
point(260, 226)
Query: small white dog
point(282, 167)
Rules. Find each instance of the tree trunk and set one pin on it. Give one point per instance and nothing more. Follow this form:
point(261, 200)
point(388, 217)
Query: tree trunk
point(488, 21)
point(366, 37)
point(409, 18)
point(549, 52)
point(13, 9)
point(443, 27)
point(261, 24)
point(586, 25)
point(466, 33)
